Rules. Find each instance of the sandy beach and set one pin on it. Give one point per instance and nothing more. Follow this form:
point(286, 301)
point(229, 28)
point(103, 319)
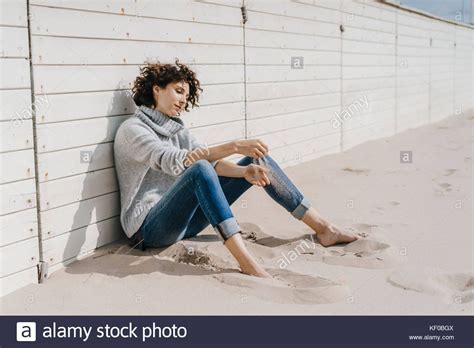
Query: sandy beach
point(414, 257)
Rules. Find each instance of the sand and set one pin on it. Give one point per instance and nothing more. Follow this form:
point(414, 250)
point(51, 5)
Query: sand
point(414, 255)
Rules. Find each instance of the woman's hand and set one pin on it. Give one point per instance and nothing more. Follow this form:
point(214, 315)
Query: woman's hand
point(251, 147)
point(256, 175)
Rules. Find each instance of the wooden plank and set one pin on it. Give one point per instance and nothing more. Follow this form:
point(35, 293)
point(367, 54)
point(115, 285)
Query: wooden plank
point(265, 108)
point(16, 135)
point(18, 280)
point(14, 42)
point(368, 96)
point(286, 89)
point(369, 11)
point(361, 59)
point(77, 188)
point(58, 164)
point(351, 72)
point(366, 35)
point(15, 73)
point(18, 226)
point(377, 25)
point(264, 21)
point(65, 50)
point(261, 38)
point(16, 104)
point(367, 47)
point(294, 9)
point(70, 23)
point(351, 85)
point(219, 133)
point(332, 4)
point(211, 114)
point(18, 256)
point(76, 215)
point(265, 125)
point(274, 56)
point(70, 245)
point(269, 73)
point(17, 165)
point(13, 13)
point(67, 79)
point(17, 196)
point(182, 10)
point(64, 135)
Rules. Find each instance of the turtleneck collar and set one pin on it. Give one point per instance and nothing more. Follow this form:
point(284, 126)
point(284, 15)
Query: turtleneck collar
point(161, 123)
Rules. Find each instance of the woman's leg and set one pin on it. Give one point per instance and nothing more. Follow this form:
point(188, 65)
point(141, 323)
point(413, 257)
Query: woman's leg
point(281, 189)
point(198, 187)
point(283, 192)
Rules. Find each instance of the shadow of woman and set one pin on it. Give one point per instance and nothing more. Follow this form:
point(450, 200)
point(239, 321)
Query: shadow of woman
point(88, 230)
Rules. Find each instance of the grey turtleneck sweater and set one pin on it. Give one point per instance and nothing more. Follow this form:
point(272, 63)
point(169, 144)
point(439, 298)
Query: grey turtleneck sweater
point(149, 150)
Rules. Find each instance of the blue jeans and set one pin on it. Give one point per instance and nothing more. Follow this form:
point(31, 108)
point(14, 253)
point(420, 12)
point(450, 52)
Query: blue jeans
point(200, 197)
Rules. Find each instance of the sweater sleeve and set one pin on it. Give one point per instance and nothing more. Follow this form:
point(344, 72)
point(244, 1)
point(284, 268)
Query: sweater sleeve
point(159, 155)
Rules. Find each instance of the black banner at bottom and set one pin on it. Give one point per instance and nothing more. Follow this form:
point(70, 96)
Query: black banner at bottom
point(236, 331)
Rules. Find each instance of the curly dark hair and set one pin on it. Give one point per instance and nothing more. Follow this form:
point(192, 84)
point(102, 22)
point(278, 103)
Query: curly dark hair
point(162, 75)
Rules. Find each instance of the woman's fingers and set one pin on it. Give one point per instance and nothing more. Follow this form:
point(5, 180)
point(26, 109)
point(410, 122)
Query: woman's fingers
point(264, 145)
point(262, 149)
point(266, 179)
point(258, 153)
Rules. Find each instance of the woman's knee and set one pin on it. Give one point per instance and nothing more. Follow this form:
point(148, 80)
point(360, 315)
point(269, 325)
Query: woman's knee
point(203, 167)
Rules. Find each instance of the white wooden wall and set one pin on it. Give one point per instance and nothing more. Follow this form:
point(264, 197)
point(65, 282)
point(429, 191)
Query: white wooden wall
point(85, 55)
point(413, 70)
point(369, 70)
point(18, 220)
point(289, 108)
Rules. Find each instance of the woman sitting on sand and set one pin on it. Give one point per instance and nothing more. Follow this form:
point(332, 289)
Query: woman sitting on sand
point(172, 186)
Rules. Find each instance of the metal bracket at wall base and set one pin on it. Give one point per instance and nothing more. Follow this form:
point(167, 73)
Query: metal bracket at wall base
point(42, 272)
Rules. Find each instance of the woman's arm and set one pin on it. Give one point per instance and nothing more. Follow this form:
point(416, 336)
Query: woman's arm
point(229, 169)
point(250, 147)
point(253, 173)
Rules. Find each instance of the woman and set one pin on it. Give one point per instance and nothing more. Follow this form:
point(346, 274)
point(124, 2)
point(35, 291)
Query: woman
point(172, 186)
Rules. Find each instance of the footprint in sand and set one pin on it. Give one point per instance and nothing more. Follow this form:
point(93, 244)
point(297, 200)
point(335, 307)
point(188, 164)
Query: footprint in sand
point(452, 287)
point(449, 172)
point(285, 287)
point(356, 171)
point(368, 252)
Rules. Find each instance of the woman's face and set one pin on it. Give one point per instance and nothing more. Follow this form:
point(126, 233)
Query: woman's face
point(172, 99)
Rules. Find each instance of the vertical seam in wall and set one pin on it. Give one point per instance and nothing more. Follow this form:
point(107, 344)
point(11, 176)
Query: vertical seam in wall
point(455, 46)
point(245, 74)
point(397, 65)
point(429, 73)
point(35, 137)
point(341, 128)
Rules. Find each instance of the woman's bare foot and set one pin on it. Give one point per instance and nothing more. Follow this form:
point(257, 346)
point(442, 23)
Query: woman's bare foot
point(247, 264)
point(255, 270)
point(331, 235)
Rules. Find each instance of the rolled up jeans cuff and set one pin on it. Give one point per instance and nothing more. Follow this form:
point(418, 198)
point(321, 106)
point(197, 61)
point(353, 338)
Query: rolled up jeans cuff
point(301, 209)
point(227, 228)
